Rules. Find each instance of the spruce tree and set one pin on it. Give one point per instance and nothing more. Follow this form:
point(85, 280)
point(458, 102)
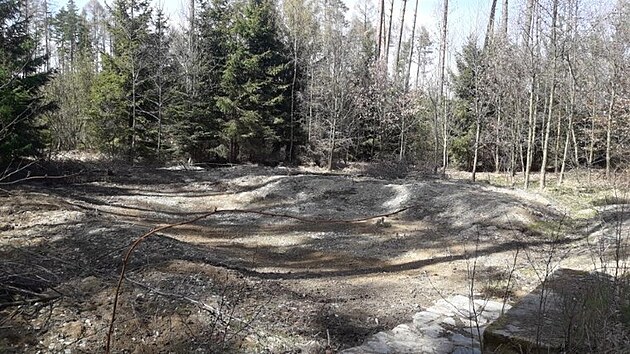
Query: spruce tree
point(161, 73)
point(20, 84)
point(196, 114)
point(255, 86)
point(126, 66)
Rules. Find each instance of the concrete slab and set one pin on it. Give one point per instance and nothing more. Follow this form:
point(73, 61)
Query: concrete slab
point(552, 318)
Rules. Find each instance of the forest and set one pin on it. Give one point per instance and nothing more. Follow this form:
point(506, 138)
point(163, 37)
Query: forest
point(544, 88)
point(315, 176)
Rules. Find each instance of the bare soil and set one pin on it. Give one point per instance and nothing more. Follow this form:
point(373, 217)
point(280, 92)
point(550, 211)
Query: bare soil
point(246, 282)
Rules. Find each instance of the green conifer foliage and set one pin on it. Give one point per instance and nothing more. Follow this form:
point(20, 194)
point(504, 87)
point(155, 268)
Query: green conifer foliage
point(255, 85)
point(20, 84)
point(125, 73)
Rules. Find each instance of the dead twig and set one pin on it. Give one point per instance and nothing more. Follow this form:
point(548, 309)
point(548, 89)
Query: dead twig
point(30, 178)
point(41, 299)
point(7, 173)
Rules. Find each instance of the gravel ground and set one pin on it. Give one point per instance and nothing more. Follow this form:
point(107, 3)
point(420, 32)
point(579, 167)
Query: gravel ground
point(366, 255)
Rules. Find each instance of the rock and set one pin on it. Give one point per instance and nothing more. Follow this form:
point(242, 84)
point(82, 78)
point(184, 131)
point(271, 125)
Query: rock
point(424, 317)
point(568, 296)
point(438, 330)
point(72, 330)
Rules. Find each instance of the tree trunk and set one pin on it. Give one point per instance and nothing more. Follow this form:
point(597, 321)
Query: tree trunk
point(400, 35)
point(310, 100)
point(476, 150)
point(504, 28)
point(531, 134)
point(569, 130)
point(333, 131)
point(442, 100)
point(413, 36)
point(543, 167)
point(609, 131)
point(591, 147)
point(192, 50)
point(381, 27)
point(531, 120)
point(389, 34)
point(556, 148)
point(497, 142)
point(490, 29)
point(47, 35)
point(295, 59)
point(401, 155)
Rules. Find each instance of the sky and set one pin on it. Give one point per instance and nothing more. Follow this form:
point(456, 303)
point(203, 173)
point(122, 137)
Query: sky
point(465, 16)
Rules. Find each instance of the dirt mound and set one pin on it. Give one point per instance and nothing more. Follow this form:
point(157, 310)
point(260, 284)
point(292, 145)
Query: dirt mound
point(246, 282)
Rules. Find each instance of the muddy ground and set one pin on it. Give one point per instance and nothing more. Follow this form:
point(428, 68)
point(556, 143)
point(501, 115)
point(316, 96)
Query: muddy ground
point(367, 253)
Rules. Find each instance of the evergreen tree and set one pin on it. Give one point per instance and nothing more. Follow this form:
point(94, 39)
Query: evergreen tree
point(127, 66)
point(255, 86)
point(162, 78)
point(471, 103)
point(67, 34)
point(20, 85)
point(195, 111)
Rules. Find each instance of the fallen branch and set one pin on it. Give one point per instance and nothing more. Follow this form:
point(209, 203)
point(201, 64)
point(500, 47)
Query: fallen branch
point(41, 299)
point(204, 215)
point(312, 220)
point(30, 178)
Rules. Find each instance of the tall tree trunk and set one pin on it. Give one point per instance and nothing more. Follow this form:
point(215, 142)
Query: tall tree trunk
point(504, 14)
point(531, 135)
point(554, 44)
point(381, 27)
point(531, 120)
point(333, 131)
point(490, 29)
point(591, 145)
point(609, 121)
point(389, 34)
point(497, 142)
point(477, 137)
point(442, 100)
point(310, 99)
point(569, 130)
point(295, 59)
point(401, 155)
point(192, 51)
point(558, 137)
point(134, 79)
point(47, 34)
point(400, 36)
point(413, 37)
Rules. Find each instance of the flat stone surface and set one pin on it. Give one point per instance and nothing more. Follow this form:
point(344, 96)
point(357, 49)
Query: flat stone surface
point(440, 329)
point(538, 323)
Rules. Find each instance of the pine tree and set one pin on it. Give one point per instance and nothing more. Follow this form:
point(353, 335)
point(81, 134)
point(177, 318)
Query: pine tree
point(20, 83)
